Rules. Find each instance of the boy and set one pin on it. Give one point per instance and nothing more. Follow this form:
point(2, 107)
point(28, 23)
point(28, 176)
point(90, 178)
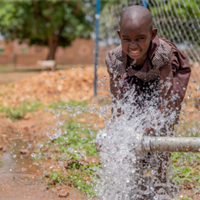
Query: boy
point(141, 60)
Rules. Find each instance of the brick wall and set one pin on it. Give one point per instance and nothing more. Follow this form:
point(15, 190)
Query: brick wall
point(81, 51)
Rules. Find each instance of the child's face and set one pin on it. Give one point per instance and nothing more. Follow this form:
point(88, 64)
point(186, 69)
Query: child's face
point(135, 38)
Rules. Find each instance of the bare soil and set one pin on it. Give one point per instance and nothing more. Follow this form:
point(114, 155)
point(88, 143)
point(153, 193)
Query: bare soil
point(48, 87)
point(6, 78)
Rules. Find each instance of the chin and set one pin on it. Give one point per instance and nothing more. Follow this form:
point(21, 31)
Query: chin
point(135, 57)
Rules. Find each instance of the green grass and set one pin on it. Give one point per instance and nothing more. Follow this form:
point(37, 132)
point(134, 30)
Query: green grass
point(82, 179)
point(73, 145)
point(79, 176)
point(72, 103)
point(10, 69)
point(56, 177)
point(186, 168)
point(17, 113)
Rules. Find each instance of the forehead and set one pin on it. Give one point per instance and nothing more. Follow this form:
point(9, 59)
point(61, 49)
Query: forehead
point(135, 27)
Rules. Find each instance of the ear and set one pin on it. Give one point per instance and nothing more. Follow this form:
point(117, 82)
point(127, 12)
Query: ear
point(118, 31)
point(154, 33)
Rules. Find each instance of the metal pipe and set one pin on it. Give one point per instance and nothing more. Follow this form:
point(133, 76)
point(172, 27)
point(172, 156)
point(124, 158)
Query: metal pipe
point(170, 144)
point(97, 16)
point(145, 3)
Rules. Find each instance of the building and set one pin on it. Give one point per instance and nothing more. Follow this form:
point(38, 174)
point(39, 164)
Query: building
point(81, 52)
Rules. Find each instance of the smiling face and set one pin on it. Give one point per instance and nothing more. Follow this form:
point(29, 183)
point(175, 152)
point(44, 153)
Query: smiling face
point(136, 38)
point(136, 32)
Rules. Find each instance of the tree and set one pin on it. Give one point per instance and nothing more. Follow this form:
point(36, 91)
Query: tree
point(110, 19)
point(49, 23)
point(177, 20)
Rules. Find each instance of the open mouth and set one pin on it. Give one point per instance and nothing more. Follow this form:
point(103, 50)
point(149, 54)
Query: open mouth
point(134, 53)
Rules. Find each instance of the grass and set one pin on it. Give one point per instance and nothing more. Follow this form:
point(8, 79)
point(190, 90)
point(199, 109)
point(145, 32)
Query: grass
point(72, 103)
point(16, 113)
point(75, 144)
point(81, 178)
point(77, 141)
point(186, 168)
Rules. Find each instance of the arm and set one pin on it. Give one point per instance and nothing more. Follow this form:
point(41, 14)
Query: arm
point(116, 91)
point(114, 67)
point(165, 86)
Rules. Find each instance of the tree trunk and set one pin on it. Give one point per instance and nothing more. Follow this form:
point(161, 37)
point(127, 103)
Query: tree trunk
point(53, 44)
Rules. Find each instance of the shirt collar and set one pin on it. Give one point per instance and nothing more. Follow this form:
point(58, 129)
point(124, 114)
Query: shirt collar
point(153, 46)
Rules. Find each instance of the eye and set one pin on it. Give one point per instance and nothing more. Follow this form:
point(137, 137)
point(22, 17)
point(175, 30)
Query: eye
point(126, 39)
point(141, 38)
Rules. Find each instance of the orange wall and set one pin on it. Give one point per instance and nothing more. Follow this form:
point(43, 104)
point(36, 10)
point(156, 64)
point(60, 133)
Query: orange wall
point(81, 51)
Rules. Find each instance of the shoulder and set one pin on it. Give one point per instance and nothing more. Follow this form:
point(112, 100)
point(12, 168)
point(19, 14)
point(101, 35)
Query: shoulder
point(114, 61)
point(115, 53)
point(178, 59)
point(163, 55)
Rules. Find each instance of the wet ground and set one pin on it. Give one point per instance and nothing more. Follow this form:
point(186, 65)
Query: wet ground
point(20, 174)
point(19, 178)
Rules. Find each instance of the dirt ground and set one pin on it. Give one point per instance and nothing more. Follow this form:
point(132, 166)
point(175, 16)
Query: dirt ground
point(45, 87)
point(64, 85)
point(14, 76)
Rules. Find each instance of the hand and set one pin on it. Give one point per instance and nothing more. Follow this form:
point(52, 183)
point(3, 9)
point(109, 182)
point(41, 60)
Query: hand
point(148, 130)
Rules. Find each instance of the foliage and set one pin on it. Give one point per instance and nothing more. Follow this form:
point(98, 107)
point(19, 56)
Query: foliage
point(177, 19)
point(109, 21)
point(77, 141)
point(72, 103)
point(50, 23)
point(56, 177)
point(81, 179)
point(16, 113)
point(186, 168)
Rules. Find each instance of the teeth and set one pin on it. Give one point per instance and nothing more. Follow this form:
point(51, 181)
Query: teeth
point(134, 51)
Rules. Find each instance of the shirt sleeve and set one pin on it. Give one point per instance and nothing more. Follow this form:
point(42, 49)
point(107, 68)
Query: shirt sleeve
point(115, 77)
point(181, 74)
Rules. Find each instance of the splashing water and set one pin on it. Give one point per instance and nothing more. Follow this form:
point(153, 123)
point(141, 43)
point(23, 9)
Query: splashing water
point(124, 174)
point(122, 177)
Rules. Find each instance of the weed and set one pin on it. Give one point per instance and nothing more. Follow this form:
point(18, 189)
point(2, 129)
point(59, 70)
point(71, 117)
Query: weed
point(72, 103)
point(74, 165)
point(16, 113)
point(56, 177)
point(73, 145)
point(77, 142)
point(83, 179)
point(185, 169)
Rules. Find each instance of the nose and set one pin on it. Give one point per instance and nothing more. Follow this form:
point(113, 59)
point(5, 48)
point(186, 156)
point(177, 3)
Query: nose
point(133, 44)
